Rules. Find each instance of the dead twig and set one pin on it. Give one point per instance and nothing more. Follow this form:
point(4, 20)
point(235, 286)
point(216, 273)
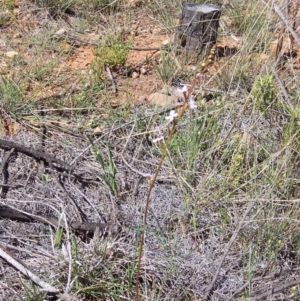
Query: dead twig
point(285, 21)
point(287, 24)
point(22, 216)
point(283, 89)
point(80, 214)
point(275, 290)
point(231, 241)
point(26, 272)
point(113, 83)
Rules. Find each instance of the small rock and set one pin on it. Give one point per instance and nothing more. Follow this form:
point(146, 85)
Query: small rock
point(166, 42)
point(162, 100)
point(143, 71)
point(142, 99)
point(175, 91)
point(98, 131)
point(17, 35)
point(135, 27)
point(134, 75)
point(134, 33)
point(16, 11)
point(60, 32)
point(11, 54)
point(157, 57)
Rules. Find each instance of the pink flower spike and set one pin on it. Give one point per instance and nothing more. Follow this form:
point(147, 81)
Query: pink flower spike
point(172, 115)
point(192, 104)
point(183, 89)
point(158, 139)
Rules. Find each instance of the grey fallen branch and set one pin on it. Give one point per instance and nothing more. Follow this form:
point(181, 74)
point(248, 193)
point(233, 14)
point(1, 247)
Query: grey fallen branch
point(275, 290)
point(285, 21)
point(26, 272)
point(11, 213)
point(37, 154)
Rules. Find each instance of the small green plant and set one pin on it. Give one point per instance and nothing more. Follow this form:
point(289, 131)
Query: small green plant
point(113, 56)
point(10, 94)
point(42, 72)
point(33, 293)
point(45, 178)
point(109, 176)
point(264, 93)
point(292, 128)
point(8, 4)
point(166, 68)
point(58, 237)
point(6, 8)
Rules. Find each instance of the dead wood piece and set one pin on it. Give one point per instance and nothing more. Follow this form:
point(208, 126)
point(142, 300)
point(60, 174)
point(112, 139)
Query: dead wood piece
point(37, 154)
point(26, 272)
point(90, 226)
point(198, 27)
point(275, 290)
point(14, 214)
point(4, 169)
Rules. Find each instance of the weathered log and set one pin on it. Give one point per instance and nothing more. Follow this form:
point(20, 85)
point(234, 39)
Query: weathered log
point(197, 32)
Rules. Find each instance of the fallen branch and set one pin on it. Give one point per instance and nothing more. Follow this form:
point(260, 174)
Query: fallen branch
point(275, 290)
point(37, 154)
point(19, 267)
point(4, 169)
point(11, 213)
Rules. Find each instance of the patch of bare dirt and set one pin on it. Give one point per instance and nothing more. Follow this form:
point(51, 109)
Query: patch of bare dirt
point(81, 59)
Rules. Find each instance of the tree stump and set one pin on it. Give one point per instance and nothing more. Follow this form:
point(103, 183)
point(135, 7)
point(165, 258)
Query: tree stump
point(197, 32)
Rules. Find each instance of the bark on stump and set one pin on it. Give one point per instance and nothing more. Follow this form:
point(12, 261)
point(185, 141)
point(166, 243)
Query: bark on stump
point(197, 32)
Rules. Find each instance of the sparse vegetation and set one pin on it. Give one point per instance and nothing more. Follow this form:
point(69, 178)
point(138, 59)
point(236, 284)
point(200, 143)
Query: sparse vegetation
point(75, 84)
